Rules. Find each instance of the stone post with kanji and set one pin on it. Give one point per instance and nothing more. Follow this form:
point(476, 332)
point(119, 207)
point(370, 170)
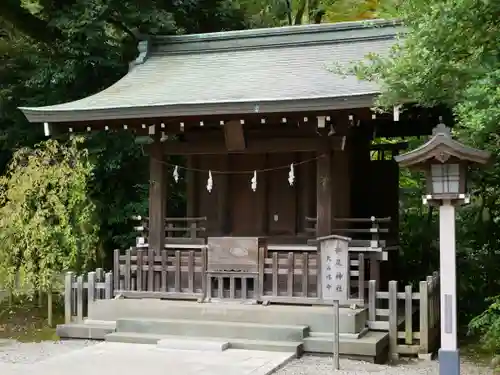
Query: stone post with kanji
point(334, 268)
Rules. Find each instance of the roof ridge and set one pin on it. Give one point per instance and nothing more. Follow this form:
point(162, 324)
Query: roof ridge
point(274, 31)
point(277, 37)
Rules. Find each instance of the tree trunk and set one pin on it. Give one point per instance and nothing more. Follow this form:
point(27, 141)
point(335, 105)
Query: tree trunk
point(49, 309)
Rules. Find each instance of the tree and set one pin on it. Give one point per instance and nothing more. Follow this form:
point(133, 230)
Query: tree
point(52, 51)
point(450, 55)
point(47, 222)
point(265, 13)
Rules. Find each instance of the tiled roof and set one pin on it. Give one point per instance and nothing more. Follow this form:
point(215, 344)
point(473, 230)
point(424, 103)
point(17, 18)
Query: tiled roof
point(266, 70)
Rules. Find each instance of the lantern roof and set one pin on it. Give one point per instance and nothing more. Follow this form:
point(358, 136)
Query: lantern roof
point(441, 147)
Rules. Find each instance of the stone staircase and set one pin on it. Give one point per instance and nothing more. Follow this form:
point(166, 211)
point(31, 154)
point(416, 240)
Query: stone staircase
point(295, 329)
point(278, 338)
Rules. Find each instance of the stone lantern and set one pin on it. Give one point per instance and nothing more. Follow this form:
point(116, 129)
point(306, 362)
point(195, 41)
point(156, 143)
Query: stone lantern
point(446, 163)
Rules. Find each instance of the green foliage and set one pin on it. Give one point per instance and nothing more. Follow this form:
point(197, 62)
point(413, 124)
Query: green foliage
point(117, 193)
point(85, 47)
point(47, 222)
point(418, 232)
point(265, 13)
point(450, 55)
point(487, 325)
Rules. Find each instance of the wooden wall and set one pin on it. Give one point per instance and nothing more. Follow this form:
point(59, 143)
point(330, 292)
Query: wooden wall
point(275, 208)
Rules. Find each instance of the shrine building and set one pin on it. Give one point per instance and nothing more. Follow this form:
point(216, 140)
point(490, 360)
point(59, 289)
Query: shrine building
point(289, 173)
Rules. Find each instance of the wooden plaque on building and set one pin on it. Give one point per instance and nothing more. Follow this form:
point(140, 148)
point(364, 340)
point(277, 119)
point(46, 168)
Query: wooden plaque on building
point(234, 254)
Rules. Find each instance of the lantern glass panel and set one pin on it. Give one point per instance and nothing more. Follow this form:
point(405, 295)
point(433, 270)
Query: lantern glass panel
point(445, 178)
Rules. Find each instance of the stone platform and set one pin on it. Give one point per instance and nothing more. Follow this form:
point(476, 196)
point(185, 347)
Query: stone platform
point(294, 329)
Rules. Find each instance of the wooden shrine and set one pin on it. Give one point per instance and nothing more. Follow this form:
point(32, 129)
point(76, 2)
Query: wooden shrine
point(277, 151)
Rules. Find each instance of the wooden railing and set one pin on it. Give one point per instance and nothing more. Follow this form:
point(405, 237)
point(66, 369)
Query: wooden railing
point(288, 274)
point(374, 230)
point(394, 311)
point(191, 227)
point(180, 273)
point(80, 291)
point(292, 276)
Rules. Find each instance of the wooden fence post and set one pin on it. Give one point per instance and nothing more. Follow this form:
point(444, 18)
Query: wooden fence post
point(68, 297)
point(79, 299)
point(91, 281)
point(408, 315)
point(116, 267)
point(431, 286)
point(393, 320)
point(361, 276)
point(262, 258)
point(99, 278)
point(127, 281)
point(192, 229)
point(275, 268)
point(108, 285)
point(99, 274)
point(138, 272)
point(423, 352)
point(151, 274)
point(372, 300)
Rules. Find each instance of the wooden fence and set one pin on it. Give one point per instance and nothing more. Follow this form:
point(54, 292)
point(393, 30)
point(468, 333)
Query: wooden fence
point(344, 227)
point(179, 274)
point(80, 291)
point(292, 276)
point(411, 317)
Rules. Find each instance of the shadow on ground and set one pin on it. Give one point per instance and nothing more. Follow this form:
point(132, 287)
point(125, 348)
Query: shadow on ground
point(24, 320)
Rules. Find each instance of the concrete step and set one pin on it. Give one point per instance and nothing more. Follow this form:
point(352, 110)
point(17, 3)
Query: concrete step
point(234, 343)
point(318, 318)
point(100, 323)
point(86, 330)
point(342, 335)
point(372, 344)
point(134, 338)
point(204, 328)
point(267, 345)
point(193, 344)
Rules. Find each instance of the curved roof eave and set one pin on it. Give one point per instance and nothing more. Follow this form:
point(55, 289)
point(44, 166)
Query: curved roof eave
point(44, 114)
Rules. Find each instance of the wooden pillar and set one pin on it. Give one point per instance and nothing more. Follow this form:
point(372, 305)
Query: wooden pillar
point(324, 193)
point(222, 182)
point(305, 190)
point(341, 190)
point(157, 195)
point(191, 187)
point(263, 194)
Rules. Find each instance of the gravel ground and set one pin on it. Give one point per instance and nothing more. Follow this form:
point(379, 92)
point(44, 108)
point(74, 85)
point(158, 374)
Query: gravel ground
point(310, 365)
point(15, 353)
point(28, 353)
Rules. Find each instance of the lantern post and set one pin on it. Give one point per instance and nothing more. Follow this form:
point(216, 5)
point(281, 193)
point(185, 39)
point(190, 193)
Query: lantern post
point(445, 162)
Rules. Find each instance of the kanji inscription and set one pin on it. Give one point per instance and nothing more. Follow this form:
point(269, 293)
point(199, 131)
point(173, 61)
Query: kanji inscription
point(334, 267)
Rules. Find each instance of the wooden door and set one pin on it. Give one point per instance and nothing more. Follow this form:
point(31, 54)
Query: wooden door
point(282, 198)
point(247, 207)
